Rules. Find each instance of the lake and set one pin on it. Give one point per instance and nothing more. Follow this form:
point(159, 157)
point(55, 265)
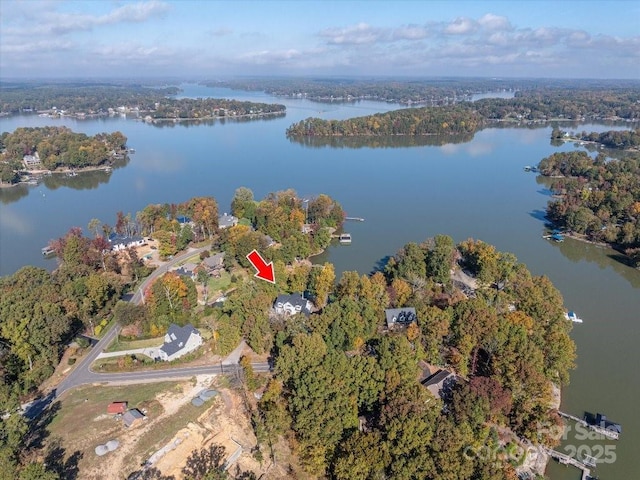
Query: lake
point(406, 190)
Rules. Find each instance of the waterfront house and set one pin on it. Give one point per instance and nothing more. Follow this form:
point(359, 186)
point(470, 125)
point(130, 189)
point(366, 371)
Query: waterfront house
point(226, 221)
point(292, 304)
point(122, 242)
point(400, 317)
point(31, 161)
point(179, 341)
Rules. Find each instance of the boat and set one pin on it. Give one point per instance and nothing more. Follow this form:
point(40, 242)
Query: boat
point(47, 251)
point(571, 315)
point(132, 150)
point(345, 238)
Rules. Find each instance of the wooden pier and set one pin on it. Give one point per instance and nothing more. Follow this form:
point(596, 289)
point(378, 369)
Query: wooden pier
point(567, 460)
point(596, 428)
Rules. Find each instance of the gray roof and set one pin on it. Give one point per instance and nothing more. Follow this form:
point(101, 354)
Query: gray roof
point(440, 383)
point(402, 316)
point(226, 220)
point(295, 299)
point(214, 260)
point(131, 416)
point(179, 337)
point(124, 239)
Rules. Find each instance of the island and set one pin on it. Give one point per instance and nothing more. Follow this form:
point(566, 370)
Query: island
point(28, 152)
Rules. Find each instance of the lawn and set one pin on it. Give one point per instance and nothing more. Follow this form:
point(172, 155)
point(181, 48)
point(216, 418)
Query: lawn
point(119, 345)
point(219, 284)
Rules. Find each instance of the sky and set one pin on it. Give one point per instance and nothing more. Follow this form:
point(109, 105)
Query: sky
point(420, 38)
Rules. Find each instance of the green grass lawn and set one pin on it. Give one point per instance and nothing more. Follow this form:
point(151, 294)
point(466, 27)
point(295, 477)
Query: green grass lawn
point(119, 345)
point(219, 284)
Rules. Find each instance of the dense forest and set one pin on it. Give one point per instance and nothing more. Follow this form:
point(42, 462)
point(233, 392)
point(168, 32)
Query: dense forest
point(596, 197)
point(346, 391)
point(57, 147)
point(465, 118)
point(622, 139)
point(455, 120)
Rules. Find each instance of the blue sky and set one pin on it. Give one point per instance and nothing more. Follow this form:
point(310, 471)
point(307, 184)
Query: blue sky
point(214, 39)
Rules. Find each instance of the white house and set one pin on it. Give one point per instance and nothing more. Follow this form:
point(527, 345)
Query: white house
point(179, 341)
point(292, 304)
point(122, 242)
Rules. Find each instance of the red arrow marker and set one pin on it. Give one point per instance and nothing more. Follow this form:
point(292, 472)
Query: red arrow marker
point(264, 269)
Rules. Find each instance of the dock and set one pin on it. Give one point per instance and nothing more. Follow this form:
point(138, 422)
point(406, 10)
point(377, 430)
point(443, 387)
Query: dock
point(355, 219)
point(46, 251)
point(345, 238)
point(568, 460)
point(609, 433)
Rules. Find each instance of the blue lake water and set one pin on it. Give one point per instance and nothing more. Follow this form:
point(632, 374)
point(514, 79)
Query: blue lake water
point(406, 192)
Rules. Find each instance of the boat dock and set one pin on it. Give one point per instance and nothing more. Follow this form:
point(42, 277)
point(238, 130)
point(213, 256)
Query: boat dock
point(568, 460)
point(355, 219)
point(557, 237)
point(46, 251)
point(607, 432)
point(345, 238)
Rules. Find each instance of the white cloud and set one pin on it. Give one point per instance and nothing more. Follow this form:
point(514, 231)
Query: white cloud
point(460, 26)
point(495, 22)
point(410, 32)
point(359, 34)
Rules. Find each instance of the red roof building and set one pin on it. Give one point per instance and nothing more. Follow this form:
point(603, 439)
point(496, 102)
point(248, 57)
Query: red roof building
point(117, 407)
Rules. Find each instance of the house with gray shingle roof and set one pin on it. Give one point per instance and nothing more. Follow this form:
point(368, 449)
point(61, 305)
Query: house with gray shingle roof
point(402, 317)
point(292, 304)
point(179, 341)
point(226, 221)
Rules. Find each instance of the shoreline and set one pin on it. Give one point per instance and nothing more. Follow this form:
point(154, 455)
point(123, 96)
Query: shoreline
point(45, 173)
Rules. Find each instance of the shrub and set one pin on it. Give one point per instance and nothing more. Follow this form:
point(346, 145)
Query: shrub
point(71, 360)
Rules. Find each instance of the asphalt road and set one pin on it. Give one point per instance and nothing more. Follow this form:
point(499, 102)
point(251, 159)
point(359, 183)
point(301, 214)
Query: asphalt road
point(83, 375)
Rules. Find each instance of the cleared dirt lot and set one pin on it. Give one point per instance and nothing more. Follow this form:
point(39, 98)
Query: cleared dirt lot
point(173, 428)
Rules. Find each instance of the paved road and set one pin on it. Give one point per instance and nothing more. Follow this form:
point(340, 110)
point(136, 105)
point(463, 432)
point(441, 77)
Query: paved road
point(164, 268)
point(83, 375)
